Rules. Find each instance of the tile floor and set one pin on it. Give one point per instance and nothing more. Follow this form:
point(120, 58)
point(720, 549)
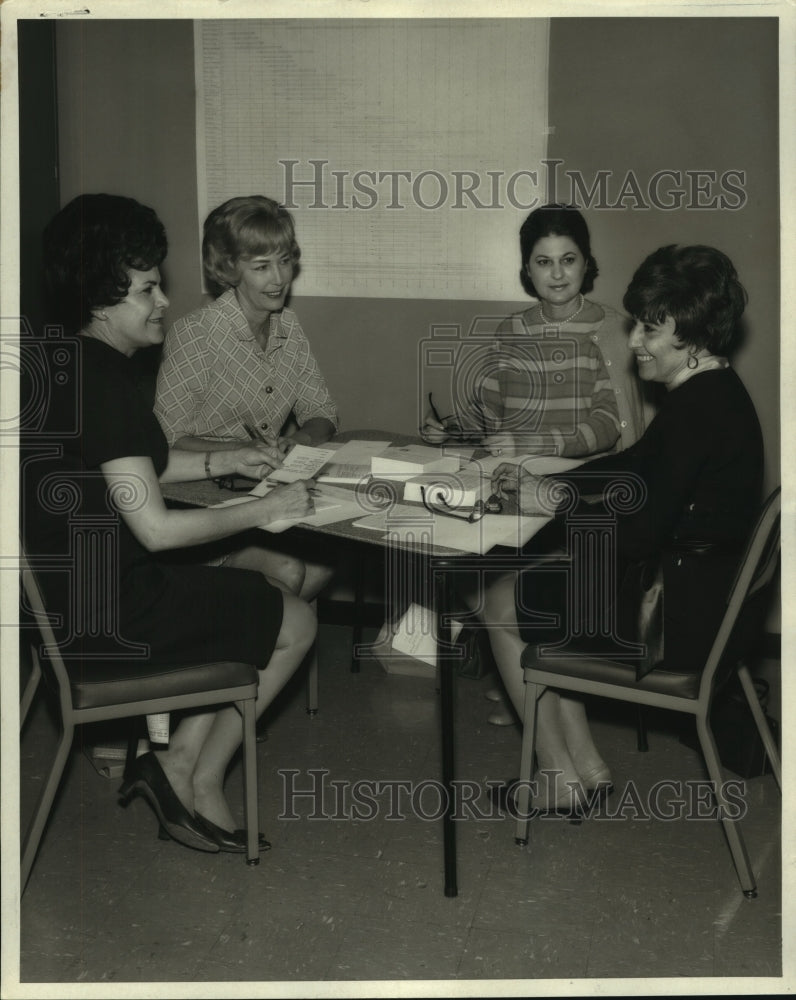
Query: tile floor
point(343, 900)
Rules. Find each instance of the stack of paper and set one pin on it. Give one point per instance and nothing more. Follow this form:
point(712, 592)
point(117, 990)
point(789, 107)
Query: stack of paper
point(455, 489)
point(350, 463)
point(403, 462)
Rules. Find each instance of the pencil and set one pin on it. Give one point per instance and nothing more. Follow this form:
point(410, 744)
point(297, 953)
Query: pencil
point(254, 435)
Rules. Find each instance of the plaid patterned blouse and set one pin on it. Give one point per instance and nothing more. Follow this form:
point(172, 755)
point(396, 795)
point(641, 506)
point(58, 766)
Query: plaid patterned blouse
point(214, 377)
point(551, 387)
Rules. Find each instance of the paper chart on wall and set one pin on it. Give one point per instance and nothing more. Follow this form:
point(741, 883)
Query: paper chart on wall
point(408, 150)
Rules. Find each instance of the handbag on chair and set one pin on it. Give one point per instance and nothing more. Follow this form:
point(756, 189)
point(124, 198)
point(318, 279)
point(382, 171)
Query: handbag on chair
point(739, 744)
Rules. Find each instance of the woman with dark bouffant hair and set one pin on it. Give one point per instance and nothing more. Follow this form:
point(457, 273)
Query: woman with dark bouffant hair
point(559, 379)
point(102, 256)
point(682, 501)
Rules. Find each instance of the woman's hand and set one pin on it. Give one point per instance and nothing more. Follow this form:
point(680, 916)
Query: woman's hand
point(501, 443)
point(286, 443)
point(506, 481)
point(512, 483)
point(290, 500)
point(256, 460)
point(433, 431)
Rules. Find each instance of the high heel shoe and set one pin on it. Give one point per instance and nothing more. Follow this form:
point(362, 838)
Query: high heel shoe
point(504, 798)
point(597, 784)
point(599, 776)
point(231, 841)
point(503, 716)
point(599, 793)
point(146, 776)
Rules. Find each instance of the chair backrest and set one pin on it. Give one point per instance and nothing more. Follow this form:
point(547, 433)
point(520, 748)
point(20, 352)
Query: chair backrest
point(48, 650)
point(755, 572)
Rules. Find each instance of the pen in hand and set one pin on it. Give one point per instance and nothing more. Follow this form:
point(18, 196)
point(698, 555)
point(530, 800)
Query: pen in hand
point(434, 410)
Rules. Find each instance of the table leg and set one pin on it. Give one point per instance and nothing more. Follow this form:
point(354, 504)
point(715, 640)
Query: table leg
point(443, 603)
point(359, 600)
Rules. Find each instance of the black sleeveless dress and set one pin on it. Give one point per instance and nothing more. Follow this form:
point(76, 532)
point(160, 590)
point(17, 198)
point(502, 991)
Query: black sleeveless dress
point(112, 598)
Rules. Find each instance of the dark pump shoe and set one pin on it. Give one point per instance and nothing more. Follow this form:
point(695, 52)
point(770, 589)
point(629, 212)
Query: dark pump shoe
point(232, 841)
point(146, 777)
point(228, 841)
point(503, 798)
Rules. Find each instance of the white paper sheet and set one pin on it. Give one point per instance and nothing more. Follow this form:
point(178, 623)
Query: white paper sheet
point(301, 462)
point(327, 511)
point(539, 465)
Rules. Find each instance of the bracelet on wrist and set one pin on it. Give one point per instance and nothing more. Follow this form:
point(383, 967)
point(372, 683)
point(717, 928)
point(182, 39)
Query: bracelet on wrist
point(208, 473)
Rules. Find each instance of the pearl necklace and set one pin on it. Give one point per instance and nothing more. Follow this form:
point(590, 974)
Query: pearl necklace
point(560, 322)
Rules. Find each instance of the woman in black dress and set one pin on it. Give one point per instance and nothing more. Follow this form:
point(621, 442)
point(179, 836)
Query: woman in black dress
point(679, 505)
point(106, 450)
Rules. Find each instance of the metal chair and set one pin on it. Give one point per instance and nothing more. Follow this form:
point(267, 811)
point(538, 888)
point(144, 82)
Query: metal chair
point(112, 690)
point(686, 692)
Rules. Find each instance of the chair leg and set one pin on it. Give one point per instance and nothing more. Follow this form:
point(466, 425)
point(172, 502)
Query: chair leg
point(760, 721)
point(526, 763)
point(312, 681)
point(726, 809)
point(641, 730)
point(312, 674)
point(132, 745)
point(30, 845)
point(250, 781)
point(30, 688)
point(359, 600)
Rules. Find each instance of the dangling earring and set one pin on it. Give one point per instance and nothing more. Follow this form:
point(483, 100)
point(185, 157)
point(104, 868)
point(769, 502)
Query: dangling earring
point(692, 358)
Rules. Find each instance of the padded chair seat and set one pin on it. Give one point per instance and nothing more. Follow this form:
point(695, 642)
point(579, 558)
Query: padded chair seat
point(95, 685)
point(603, 671)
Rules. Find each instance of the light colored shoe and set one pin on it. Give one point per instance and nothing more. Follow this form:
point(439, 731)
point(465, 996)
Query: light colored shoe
point(494, 694)
point(502, 717)
point(569, 806)
point(598, 777)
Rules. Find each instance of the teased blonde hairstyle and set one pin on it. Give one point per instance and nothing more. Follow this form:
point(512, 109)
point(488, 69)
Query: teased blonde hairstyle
point(240, 229)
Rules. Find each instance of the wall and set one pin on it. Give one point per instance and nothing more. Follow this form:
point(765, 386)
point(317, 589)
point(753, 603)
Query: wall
point(649, 94)
point(38, 152)
point(127, 126)
point(644, 93)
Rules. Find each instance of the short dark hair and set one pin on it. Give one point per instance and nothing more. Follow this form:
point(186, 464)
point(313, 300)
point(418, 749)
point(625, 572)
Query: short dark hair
point(89, 248)
point(556, 220)
point(698, 287)
point(240, 229)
